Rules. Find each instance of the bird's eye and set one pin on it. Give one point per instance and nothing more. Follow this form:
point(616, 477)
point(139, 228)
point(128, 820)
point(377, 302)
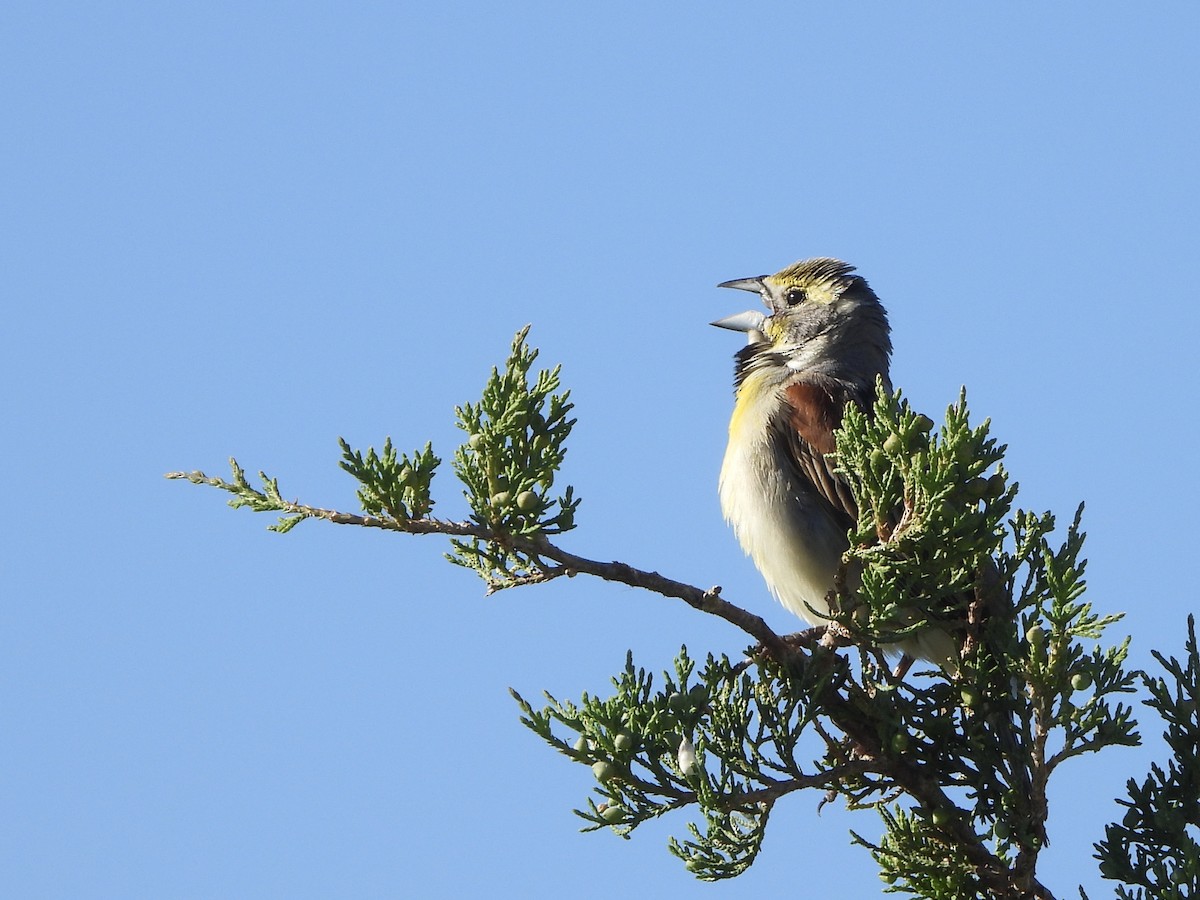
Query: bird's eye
point(795, 295)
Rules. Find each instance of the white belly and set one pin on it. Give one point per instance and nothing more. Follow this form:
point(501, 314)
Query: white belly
point(788, 533)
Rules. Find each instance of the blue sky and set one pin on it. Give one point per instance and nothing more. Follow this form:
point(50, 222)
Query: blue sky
point(251, 228)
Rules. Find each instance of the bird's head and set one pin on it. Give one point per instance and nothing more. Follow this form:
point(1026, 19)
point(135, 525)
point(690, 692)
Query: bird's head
point(822, 319)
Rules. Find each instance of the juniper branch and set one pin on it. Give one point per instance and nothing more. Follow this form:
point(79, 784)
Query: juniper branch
point(537, 546)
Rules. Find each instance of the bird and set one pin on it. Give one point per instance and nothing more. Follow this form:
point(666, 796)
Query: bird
point(824, 343)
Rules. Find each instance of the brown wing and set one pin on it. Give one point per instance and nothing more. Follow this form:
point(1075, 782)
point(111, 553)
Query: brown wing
point(814, 412)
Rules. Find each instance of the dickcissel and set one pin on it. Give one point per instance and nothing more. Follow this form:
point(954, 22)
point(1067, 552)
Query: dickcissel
point(821, 345)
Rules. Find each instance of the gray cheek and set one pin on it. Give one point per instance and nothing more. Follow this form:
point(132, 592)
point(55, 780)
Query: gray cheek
point(809, 353)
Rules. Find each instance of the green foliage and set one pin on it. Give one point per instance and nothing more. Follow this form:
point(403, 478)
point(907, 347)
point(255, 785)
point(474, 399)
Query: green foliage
point(971, 747)
point(245, 495)
point(956, 759)
point(516, 443)
point(394, 486)
point(935, 551)
point(1154, 850)
point(719, 739)
point(917, 857)
point(928, 516)
point(1068, 689)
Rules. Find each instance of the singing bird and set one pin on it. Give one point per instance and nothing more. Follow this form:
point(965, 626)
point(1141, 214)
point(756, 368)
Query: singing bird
point(823, 343)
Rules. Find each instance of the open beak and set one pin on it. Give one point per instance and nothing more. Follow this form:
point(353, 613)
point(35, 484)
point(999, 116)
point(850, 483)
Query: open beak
point(751, 321)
